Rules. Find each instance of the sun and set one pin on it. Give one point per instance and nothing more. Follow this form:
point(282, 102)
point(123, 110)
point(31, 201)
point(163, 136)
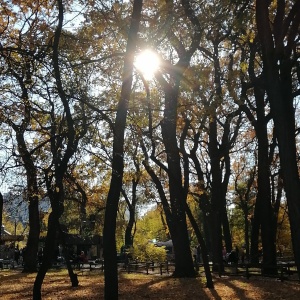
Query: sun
point(147, 62)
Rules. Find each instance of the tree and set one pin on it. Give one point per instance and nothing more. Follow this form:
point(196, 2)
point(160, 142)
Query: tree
point(61, 120)
point(129, 234)
point(21, 60)
point(1, 213)
point(109, 241)
point(30, 256)
point(150, 227)
point(65, 133)
point(244, 186)
point(278, 45)
point(178, 189)
point(256, 109)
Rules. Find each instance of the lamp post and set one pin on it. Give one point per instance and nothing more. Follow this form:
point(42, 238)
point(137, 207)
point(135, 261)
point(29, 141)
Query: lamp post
point(1, 211)
point(15, 229)
point(15, 233)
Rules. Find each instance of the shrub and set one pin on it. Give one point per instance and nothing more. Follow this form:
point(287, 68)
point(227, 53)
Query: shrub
point(149, 252)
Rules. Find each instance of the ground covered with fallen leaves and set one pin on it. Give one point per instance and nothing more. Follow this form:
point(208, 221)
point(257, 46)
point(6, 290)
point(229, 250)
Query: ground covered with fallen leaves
point(18, 285)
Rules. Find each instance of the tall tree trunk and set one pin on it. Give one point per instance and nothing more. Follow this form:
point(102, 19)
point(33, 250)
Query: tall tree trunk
point(183, 258)
point(246, 233)
point(226, 231)
point(177, 223)
point(277, 68)
point(109, 238)
point(72, 275)
point(1, 213)
point(216, 196)
point(255, 229)
point(209, 281)
point(164, 224)
point(276, 203)
point(129, 234)
point(54, 182)
point(203, 201)
point(30, 257)
point(177, 229)
point(225, 221)
point(132, 211)
point(129, 228)
point(263, 200)
point(51, 244)
point(178, 226)
point(207, 233)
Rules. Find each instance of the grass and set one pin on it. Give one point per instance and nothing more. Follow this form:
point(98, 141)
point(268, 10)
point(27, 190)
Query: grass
point(17, 285)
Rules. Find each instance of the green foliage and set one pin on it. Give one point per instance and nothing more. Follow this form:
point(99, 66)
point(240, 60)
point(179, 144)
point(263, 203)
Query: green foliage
point(149, 252)
point(150, 227)
point(237, 225)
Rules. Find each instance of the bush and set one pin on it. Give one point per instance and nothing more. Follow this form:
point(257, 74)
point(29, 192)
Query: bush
point(149, 252)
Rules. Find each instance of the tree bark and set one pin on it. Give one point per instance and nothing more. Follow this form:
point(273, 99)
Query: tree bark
point(277, 67)
point(72, 275)
point(204, 252)
point(109, 239)
point(129, 234)
point(255, 229)
point(60, 162)
point(183, 258)
point(132, 211)
point(263, 199)
point(1, 213)
point(225, 221)
point(216, 196)
point(49, 250)
point(30, 255)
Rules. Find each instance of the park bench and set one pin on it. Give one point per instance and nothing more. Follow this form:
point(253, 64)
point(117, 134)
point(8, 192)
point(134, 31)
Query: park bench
point(146, 267)
point(89, 265)
point(96, 264)
point(57, 265)
point(135, 266)
point(6, 264)
point(258, 270)
point(283, 270)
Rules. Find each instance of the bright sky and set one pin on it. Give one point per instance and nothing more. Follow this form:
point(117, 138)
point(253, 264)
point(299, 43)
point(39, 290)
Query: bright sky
point(147, 62)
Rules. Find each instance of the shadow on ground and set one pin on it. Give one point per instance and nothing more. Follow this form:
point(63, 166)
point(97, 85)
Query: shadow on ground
point(17, 285)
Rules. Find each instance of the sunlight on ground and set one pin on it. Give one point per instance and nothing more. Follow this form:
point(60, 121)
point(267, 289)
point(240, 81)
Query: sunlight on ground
point(140, 286)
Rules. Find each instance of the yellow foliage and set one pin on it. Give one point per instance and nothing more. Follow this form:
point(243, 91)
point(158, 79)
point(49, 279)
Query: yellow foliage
point(149, 252)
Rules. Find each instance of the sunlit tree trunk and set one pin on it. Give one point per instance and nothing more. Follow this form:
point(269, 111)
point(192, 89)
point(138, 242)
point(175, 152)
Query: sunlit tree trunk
point(129, 231)
point(132, 212)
